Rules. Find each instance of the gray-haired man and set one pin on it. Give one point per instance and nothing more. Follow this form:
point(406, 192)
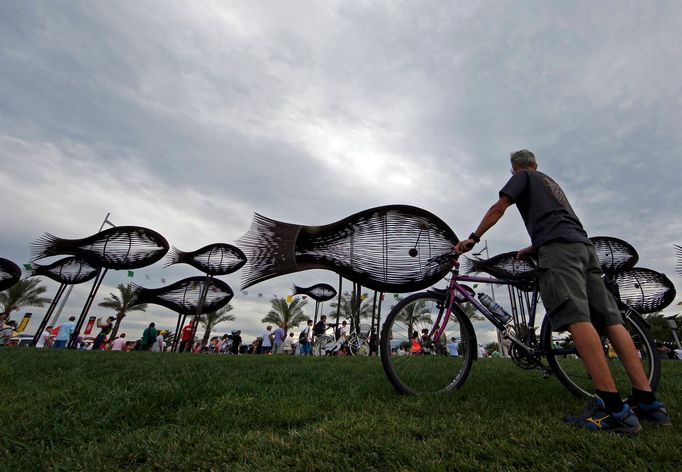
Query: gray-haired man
point(574, 294)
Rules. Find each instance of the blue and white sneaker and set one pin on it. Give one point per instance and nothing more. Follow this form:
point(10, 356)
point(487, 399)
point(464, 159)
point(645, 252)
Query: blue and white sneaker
point(654, 413)
point(622, 422)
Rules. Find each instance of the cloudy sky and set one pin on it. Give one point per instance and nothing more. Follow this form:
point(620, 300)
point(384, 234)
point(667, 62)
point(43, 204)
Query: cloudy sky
point(188, 117)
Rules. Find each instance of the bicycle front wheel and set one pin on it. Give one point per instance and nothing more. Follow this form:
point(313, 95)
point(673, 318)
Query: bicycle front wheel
point(323, 345)
point(562, 357)
point(358, 346)
point(416, 368)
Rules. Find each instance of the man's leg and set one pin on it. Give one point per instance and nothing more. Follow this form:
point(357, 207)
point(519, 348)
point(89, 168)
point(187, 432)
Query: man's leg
point(589, 346)
point(627, 353)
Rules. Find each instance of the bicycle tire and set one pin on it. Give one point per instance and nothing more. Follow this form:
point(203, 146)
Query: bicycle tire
point(425, 372)
point(358, 346)
point(563, 359)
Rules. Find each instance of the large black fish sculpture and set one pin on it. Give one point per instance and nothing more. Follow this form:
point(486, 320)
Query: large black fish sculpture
point(503, 266)
point(70, 270)
point(318, 292)
point(614, 254)
point(214, 259)
point(10, 273)
point(393, 248)
point(645, 290)
point(122, 247)
point(183, 295)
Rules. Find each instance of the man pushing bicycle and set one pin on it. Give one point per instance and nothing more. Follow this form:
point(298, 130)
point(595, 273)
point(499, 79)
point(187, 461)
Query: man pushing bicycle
point(574, 295)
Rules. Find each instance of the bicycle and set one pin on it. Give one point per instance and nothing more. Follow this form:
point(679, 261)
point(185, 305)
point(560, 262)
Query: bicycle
point(439, 312)
point(327, 344)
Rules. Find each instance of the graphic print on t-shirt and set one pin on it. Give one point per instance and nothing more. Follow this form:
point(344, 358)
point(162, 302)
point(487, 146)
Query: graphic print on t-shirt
point(554, 189)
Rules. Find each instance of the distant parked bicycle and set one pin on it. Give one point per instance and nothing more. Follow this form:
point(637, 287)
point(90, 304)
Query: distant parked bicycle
point(427, 369)
point(327, 344)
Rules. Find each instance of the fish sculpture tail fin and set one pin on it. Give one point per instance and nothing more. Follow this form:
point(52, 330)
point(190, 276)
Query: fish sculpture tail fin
point(270, 247)
point(472, 265)
point(678, 252)
point(174, 256)
point(44, 246)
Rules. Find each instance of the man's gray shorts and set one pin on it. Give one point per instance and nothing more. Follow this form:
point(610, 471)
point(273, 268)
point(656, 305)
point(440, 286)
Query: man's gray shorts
point(572, 288)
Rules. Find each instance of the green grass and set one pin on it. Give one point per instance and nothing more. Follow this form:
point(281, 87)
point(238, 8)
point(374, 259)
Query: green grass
point(111, 411)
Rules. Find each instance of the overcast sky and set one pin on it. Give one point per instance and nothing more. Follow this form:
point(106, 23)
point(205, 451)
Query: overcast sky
point(188, 117)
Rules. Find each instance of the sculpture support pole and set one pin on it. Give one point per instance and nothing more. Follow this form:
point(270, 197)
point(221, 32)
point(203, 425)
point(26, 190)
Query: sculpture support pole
point(372, 339)
point(86, 308)
point(48, 313)
point(177, 333)
point(381, 297)
point(338, 302)
point(317, 305)
point(200, 306)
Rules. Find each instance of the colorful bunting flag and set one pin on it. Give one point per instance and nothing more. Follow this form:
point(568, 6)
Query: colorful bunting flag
point(131, 273)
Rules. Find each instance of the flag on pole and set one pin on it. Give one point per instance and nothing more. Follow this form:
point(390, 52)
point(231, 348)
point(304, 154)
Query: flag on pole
point(89, 326)
point(24, 322)
point(396, 296)
point(289, 299)
point(28, 267)
point(131, 273)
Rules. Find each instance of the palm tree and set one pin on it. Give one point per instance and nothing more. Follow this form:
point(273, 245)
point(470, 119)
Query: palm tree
point(413, 314)
point(121, 304)
point(349, 307)
point(289, 314)
point(24, 293)
point(213, 318)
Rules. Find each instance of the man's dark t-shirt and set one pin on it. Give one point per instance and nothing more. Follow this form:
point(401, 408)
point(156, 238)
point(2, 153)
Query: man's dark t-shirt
point(544, 208)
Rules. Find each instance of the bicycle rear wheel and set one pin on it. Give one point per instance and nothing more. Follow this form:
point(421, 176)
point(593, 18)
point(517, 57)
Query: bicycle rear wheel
point(432, 369)
point(562, 357)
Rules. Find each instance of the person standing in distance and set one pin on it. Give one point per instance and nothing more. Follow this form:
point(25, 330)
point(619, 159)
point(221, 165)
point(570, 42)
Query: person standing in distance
point(574, 295)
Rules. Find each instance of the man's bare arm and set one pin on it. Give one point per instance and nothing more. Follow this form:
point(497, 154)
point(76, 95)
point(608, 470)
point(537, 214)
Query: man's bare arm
point(491, 217)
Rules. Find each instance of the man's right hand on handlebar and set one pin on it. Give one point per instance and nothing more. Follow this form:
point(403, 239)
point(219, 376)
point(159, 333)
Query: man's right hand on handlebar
point(465, 245)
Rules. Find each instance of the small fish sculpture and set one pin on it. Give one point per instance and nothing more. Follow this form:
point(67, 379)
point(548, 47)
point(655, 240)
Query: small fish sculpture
point(214, 259)
point(318, 292)
point(122, 247)
point(70, 270)
point(395, 248)
point(645, 290)
point(10, 273)
point(503, 266)
point(614, 254)
point(183, 295)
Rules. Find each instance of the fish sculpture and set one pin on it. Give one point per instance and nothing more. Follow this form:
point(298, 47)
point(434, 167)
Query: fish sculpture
point(395, 248)
point(183, 295)
point(214, 259)
point(10, 273)
point(614, 254)
point(503, 266)
point(122, 247)
point(318, 292)
point(70, 270)
point(645, 290)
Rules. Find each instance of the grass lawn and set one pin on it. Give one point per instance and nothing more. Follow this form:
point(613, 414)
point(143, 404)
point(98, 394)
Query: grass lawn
point(66, 410)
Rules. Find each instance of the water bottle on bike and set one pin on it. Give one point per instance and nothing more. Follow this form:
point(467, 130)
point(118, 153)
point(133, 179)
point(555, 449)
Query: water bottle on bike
point(494, 307)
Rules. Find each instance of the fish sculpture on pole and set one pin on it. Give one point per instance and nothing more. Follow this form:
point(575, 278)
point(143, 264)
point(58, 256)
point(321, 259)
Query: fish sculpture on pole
point(214, 259)
point(183, 295)
point(318, 292)
point(395, 248)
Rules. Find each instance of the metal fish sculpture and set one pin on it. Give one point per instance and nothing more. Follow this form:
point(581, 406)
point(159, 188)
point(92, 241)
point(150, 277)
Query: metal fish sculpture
point(645, 290)
point(183, 295)
point(318, 292)
point(393, 248)
point(214, 259)
point(614, 254)
point(122, 247)
point(10, 273)
point(70, 270)
point(503, 266)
